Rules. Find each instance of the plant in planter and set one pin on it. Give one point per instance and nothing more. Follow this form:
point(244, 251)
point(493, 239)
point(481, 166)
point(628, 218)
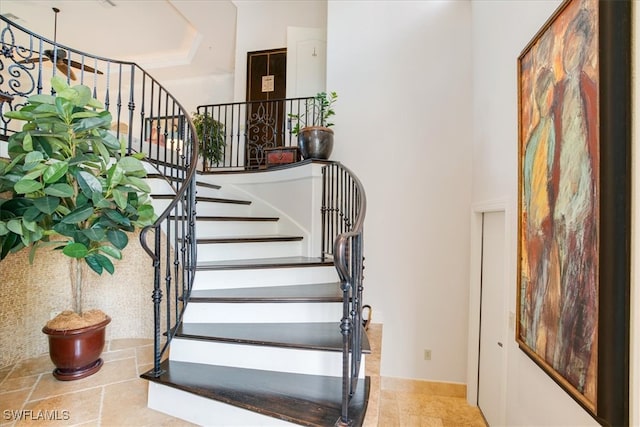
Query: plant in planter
point(315, 138)
point(68, 184)
point(211, 138)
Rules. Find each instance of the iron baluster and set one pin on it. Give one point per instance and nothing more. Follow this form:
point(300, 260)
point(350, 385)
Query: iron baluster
point(343, 209)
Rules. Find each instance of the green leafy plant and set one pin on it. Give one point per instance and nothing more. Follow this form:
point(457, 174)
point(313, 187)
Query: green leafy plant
point(316, 113)
point(211, 138)
point(68, 183)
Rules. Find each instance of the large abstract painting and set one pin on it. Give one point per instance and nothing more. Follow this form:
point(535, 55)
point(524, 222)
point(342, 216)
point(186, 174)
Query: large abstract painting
point(574, 136)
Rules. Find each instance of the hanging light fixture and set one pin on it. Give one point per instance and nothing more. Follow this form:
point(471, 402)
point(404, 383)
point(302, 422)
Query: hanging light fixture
point(59, 56)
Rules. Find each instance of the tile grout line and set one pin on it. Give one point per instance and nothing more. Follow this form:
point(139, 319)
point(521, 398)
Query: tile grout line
point(102, 396)
point(87, 388)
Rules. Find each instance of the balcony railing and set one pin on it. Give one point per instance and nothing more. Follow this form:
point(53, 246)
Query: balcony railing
point(248, 129)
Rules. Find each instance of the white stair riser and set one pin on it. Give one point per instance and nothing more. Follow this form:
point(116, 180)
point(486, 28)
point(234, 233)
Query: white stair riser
point(160, 186)
point(207, 229)
point(208, 208)
point(297, 361)
point(235, 251)
point(213, 229)
point(218, 192)
point(202, 312)
point(222, 279)
point(202, 411)
point(149, 167)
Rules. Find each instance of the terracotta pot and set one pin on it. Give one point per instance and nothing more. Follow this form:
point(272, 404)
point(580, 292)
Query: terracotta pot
point(76, 352)
point(315, 142)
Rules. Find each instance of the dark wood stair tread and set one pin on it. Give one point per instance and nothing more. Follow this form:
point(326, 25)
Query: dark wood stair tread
point(232, 218)
point(205, 199)
point(208, 185)
point(309, 400)
point(256, 263)
point(316, 292)
point(249, 239)
point(173, 178)
point(324, 336)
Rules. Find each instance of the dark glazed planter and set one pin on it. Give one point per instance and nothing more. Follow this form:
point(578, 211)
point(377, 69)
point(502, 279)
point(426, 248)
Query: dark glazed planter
point(315, 142)
point(76, 352)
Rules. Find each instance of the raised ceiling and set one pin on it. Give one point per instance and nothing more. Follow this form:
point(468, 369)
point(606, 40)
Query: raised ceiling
point(170, 38)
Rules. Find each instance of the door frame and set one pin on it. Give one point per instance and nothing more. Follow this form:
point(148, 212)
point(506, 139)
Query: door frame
point(475, 283)
point(248, 74)
point(263, 111)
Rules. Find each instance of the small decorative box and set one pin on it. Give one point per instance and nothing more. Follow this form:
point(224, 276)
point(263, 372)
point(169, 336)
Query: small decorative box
point(281, 155)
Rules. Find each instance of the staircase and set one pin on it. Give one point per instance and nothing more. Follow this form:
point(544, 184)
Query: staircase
point(257, 299)
point(260, 340)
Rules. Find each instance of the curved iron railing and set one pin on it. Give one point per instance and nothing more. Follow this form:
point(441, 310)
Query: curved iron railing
point(150, 120)
point(344, 206)
point(248, 130)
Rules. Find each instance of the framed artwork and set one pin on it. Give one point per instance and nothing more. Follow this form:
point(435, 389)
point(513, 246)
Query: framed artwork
point(574, 125)
point(160, 130)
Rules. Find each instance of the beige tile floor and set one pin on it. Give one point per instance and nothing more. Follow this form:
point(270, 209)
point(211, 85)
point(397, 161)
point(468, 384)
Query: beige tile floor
point(116, 396)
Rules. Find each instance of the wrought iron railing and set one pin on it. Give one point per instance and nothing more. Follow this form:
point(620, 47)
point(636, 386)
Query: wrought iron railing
point(344, 207)
point(249, 129)
point(150, 120)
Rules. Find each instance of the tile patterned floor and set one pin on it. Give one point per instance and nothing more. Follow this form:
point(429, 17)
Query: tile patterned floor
point(409, 403)
point(116, 396)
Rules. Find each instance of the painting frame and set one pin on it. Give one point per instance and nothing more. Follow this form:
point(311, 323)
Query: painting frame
point(572, 308)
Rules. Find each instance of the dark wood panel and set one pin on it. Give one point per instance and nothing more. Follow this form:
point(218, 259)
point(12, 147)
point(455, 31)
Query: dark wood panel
point(266, 119)
point(249, 239)
point(173, 178)
point(303, 399)
point(317, 292)
point(233, 218)
point(309, 336)
point(283, 262)
point(203, 199)
point(272, 62)
point(208, 185)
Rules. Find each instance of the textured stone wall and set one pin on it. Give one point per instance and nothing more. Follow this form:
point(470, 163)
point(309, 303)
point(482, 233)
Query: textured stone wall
point(31, 294)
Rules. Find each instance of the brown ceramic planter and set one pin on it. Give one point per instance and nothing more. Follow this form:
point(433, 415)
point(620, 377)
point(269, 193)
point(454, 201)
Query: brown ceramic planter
point(315, 142)
point(76, 352)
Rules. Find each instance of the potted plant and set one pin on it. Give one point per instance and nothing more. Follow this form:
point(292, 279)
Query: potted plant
point(315, 138)
point(68, 184)
point(210, 137)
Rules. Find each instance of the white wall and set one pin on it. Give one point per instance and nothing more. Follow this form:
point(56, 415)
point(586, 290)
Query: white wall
point(402, 71)
point(501, 30)
point(194, 91)
point(262, 25)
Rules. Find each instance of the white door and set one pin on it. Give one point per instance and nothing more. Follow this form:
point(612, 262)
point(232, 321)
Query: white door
point(491, 367)
point(306, 61)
